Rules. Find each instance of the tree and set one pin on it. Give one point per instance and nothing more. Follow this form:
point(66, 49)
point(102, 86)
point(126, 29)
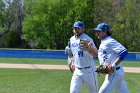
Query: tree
point(49, 23)
point(126, 23)
point(12, 19)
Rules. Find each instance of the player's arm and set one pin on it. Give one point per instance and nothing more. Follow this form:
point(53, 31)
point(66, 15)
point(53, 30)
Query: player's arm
point(72, 66)
point(68, 51)
point(120, 50)
point(92, 50)
point(89, 46)
point(120, 57)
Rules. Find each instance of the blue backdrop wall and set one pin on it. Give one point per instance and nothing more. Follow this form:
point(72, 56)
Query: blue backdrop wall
point(18, 53)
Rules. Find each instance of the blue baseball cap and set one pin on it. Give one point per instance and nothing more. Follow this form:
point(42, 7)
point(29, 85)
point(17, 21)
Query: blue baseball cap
point(102, 27)
point(78, 24)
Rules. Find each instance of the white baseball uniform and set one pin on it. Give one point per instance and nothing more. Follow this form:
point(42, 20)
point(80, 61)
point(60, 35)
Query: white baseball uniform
point(85, 67)
point(107, 53)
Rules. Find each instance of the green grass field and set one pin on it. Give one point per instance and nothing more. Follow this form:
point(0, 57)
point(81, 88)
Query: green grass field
point(56, 61)
point(49, 81)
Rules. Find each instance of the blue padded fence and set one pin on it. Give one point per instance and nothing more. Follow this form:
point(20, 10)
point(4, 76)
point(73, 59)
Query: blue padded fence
point(17, 53)
point(32, 54)
point(133, 57)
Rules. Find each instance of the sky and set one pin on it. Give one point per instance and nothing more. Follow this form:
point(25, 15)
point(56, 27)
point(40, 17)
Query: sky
point(7, 2)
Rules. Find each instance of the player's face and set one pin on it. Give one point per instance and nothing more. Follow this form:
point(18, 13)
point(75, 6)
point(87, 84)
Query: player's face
point(78, 31)
point(101, 34)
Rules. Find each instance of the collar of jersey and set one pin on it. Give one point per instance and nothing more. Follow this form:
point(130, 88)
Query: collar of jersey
point(79, 36)
point(106, 38)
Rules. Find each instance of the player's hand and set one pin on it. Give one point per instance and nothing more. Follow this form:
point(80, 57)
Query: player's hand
point(84, 44)
point(73, 67)
point(111, 67)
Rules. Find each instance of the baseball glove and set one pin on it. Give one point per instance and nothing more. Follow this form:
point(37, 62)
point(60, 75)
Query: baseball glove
point(103, 69)
point(84, 44)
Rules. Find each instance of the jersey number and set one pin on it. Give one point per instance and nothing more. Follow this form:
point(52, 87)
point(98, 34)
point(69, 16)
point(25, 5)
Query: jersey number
point(80, 53)
point(105, 58)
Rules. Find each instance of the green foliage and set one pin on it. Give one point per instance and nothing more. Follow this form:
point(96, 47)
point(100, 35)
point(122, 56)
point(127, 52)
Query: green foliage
point(102, 11)
point(9, 24)
point(127, 25)
point(48, 23)
point(12, 39)
point(2, 18)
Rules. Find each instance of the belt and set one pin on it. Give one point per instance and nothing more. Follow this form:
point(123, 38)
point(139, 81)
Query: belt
point(84, 68)
point(117, 68)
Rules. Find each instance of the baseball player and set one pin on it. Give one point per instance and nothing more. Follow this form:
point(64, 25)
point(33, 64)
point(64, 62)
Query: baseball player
point(111, 53)
point(82, 62)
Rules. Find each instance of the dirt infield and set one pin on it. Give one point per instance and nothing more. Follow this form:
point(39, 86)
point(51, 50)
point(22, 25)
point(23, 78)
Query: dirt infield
point(59, 67)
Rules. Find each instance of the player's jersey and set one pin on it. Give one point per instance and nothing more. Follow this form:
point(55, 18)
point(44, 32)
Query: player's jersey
point(81, 58)
point(109, 50)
